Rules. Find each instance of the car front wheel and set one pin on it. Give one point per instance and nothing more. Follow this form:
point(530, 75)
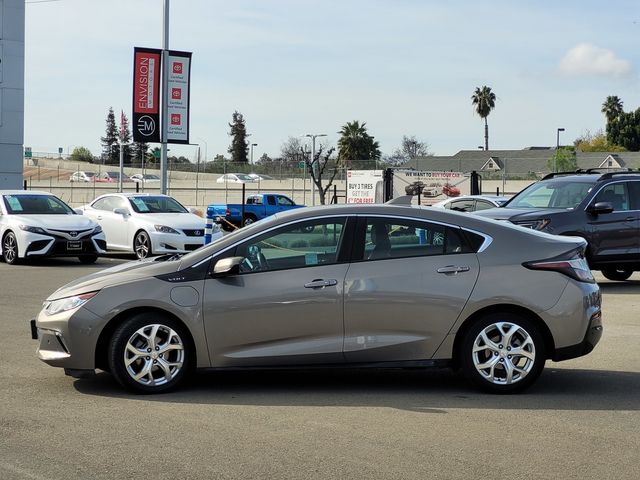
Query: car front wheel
point(142, 245)
point(618, 274)
point(502, 353)
point(150, 353)
point(10, 248)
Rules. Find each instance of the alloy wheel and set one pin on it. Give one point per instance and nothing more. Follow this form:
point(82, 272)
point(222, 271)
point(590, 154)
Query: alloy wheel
point(154, 355)
point(503, 353)
point(142, 245)
point(10, 248)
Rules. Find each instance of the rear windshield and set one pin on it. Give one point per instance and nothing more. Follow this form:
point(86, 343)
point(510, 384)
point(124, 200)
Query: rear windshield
point(153, 204)
point(552, 194)
point(36, 205)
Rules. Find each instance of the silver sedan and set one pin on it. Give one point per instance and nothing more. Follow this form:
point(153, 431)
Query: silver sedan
point(369, 285)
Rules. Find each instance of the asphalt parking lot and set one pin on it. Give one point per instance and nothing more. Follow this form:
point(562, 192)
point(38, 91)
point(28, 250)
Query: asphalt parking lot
point(580, 420)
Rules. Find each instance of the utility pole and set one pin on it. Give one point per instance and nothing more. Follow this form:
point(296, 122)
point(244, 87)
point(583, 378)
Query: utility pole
point(165, 97)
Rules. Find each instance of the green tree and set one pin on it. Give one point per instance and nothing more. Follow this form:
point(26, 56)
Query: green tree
point(612, 107)
point(624, 130)
point(239, 147)
point(484, 100)
point(109, 142)
point(139, 151)
point(356, 148)
point(595, 142)
point(125, 140)
point(81, 154)
point(563, 160)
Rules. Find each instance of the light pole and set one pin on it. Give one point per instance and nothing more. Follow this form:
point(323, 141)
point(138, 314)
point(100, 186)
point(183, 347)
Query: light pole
point(313, 163)
point(252, 145)
point(165, 97)
point(555, 158)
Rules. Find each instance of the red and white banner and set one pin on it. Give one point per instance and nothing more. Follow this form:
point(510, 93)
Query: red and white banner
point(178, 98)
point(147, 74)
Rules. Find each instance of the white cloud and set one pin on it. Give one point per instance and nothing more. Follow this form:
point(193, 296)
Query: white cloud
point(587, 59)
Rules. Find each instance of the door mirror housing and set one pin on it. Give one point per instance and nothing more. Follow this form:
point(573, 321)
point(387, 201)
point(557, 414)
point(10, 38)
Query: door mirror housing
point(601, 208)
point(227, 266)
point(121, 211)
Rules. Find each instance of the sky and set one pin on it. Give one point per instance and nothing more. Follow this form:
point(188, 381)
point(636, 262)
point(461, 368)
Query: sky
point(292, 67)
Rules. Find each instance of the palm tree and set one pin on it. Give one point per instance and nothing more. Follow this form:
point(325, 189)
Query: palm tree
point(612, 107)
point(484, 100)
point(355, 143)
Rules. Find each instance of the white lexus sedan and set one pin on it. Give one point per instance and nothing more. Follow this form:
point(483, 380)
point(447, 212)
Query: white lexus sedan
point(38, 224)
point(148, 224)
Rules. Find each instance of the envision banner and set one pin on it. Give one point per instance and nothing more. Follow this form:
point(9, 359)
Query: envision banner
point(147, 74)
point(178, 101)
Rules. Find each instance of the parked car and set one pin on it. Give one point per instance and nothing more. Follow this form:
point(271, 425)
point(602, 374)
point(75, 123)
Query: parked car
point(236, 178)
point(471, 203)
point(112, 177)
point(147, 224)
point(259, 177)
point(39, 224)
point(604, 209)
point(146, 178)
point(332, 287)
point(83, 177)
point(256, 208)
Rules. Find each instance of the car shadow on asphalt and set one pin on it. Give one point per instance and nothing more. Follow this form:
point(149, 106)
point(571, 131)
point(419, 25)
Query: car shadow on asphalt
point(620, 288)
point(102, 262)
point(426, 391)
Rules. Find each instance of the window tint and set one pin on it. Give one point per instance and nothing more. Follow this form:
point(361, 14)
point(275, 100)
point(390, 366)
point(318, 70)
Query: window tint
point(284, 201)
point(304, 244)
point(552, 194)
point(634, 195)
point(153, 204)
point(616, 194)
point(271, 200)
point(401, 238)
point(103, 204)
point(483, 205)
point(462, 205)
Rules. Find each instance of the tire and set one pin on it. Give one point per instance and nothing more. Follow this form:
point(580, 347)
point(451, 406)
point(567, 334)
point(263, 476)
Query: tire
point(488, 368)
point(88, 259)
point(619, 274)
point(248, 220)
point(142, 245)
point(10, 249)
point(170, 345)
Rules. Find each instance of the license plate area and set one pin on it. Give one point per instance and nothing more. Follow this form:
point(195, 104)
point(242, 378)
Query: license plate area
point(74, 245)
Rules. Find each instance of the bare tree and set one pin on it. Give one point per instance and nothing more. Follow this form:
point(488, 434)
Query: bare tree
point(326, 169)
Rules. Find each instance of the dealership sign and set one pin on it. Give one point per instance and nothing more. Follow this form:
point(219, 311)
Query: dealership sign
point(178, 97)
point(429, 187)
point(146, 95)
point(365, 186)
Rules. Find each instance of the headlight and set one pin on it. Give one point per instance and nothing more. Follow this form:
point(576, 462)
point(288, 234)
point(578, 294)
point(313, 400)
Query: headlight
point(98, 229)
point(68, 303)
point(539, 224)
point(29, 228)
point(165, 229)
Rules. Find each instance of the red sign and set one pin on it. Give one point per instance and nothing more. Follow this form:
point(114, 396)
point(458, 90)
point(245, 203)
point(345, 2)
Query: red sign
point(177, 67)
point(176, 93)
point(146, 95)
point(175, 119)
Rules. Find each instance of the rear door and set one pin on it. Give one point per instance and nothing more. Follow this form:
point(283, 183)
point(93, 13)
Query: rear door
point(400, 304)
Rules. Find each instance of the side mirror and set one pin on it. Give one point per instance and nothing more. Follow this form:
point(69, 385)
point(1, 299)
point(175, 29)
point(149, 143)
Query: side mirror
point(227, 266)
point(121, 211)
point(601, 208)
point(78, 211)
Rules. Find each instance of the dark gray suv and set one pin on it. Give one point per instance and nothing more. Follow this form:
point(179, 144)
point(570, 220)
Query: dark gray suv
point(604, 209)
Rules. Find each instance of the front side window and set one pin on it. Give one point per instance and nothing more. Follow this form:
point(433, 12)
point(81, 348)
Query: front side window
point(303, 244)
point(462, 205)
point(482, 205)
point(616, 194)
point(156, 204)
point(284, 202)
point(552, 194)
point(401, 238)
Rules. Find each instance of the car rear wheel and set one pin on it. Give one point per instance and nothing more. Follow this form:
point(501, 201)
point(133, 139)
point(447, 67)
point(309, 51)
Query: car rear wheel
point(10, 248)
point(150, 353)
point(88, 259)
point(502, 353)
point(618, 274)
point(142, 245)
point(248, 220)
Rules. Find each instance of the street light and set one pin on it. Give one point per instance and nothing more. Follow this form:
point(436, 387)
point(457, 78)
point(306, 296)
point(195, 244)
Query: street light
point(252, 145)
point(555, 162)
point(313, 163)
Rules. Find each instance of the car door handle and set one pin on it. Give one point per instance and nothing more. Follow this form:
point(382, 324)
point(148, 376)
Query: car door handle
point(453, 269)
point(319, 283)
point(629, 219)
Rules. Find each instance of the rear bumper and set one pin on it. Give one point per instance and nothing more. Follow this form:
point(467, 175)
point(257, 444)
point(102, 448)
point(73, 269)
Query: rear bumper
point(591, 339)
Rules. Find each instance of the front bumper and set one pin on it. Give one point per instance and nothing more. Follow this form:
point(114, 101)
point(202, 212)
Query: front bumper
point(38, 245)
point(178, 243)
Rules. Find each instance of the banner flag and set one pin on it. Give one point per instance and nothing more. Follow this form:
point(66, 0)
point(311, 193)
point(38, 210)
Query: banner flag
point(147, 74)
point(178, 99)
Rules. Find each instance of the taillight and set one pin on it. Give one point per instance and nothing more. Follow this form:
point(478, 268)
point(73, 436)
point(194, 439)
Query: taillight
point(573, 264)
point(227, 212)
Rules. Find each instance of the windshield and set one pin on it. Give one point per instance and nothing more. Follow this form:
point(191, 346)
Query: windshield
point(552, 194)
point(36, 205)
point(90, 174)
point(156, 204)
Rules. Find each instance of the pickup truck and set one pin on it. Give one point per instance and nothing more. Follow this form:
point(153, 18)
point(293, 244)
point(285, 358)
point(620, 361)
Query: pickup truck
point(256, 208)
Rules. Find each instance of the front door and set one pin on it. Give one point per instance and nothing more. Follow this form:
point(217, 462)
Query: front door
point(405, 289)
point(285, 307)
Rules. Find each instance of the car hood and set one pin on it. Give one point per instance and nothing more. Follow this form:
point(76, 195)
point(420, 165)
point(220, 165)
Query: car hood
point(58, 222)
point(119, 274)
point(174, 220)
point(516, 214)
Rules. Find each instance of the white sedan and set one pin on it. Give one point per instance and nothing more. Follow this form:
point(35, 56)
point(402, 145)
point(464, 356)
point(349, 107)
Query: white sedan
point(146, 178)
point(236, 178)
point(471, 203)
point(83, 177)
point(148, 224)
point(38, 224)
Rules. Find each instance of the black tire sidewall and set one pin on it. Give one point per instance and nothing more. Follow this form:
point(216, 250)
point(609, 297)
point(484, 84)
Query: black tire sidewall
point(15, 239)
point(466, 358)
point(119, 341)
point(617, 274)
point(135, 243)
